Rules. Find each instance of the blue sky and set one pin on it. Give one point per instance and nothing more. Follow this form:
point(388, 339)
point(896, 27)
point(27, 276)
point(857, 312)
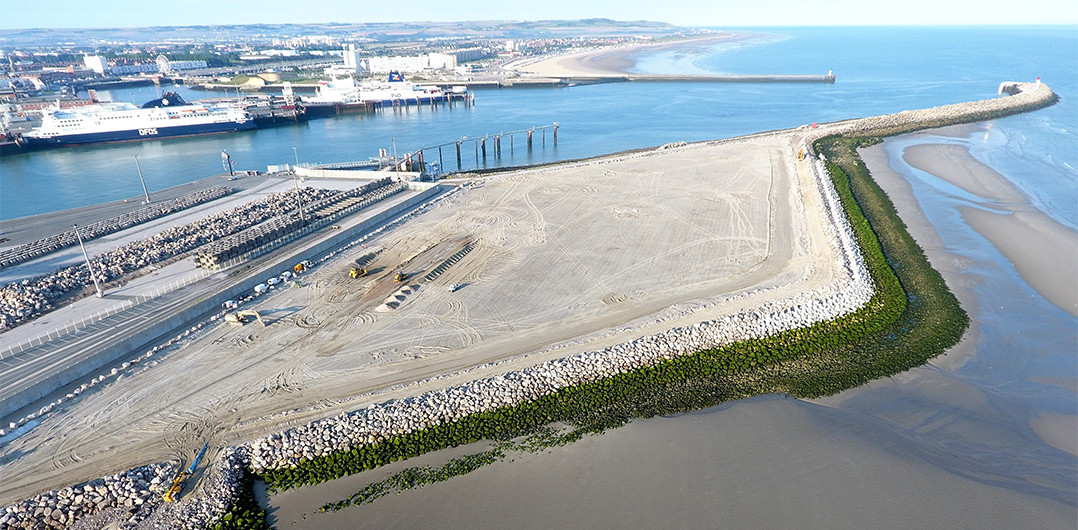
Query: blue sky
point(718, 13)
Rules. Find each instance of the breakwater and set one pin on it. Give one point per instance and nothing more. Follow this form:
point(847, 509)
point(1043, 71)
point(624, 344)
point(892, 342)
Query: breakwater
point(522, 82)
point(404, 414)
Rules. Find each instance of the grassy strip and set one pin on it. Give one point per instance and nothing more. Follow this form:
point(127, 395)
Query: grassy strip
point(911, 318)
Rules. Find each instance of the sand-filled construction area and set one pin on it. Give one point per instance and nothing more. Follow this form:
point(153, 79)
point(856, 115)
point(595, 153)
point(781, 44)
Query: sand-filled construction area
point(549, 262)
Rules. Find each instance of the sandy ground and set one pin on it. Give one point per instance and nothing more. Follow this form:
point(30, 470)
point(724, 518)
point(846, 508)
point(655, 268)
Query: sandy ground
point(564, 260)
point(1043, 251)
point(606, 61)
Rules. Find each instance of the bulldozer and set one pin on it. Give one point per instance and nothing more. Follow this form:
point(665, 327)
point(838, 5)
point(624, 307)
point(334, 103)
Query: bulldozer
point(357, 272)
point(243, 317)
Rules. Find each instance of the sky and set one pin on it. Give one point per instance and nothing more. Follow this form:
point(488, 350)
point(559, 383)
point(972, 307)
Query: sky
point(21, 14)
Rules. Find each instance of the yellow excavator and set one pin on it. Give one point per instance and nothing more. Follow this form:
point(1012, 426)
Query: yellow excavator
point(400, 277)
point(243, 317)
point(178, 482)
point(357, 272)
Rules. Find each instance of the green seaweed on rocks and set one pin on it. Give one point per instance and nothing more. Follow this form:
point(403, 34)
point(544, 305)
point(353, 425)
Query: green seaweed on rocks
point(910, 318)
point(536, 442)
point(244, 513)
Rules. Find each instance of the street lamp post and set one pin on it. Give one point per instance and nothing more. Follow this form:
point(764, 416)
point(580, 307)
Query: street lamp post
point(144, 190)
point(89, 267)
point(302, 207)
point(296, 153)
point(396, 163)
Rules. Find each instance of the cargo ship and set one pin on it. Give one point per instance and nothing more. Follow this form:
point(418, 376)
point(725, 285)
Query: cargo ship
point(165, 117)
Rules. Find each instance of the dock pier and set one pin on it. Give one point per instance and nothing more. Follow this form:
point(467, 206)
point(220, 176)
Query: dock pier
point(669, 78)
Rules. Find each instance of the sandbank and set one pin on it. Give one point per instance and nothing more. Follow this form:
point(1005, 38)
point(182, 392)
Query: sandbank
point(1058, 430)
point(1042, 250)
point(954, 164)
point(611, 61)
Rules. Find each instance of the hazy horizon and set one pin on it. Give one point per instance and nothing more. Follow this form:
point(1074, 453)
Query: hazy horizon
point(58, 14)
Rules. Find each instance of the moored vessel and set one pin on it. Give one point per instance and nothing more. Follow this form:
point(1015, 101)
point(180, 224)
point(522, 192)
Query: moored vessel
point(164, 117)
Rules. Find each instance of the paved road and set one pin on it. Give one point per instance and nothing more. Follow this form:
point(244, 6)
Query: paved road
point(26, 370)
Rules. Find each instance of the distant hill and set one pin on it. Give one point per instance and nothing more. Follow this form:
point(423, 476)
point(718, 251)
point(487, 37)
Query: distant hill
point(382, 32)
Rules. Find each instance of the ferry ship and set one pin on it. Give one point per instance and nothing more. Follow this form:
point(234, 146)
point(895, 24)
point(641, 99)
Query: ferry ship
point(346, 94)
point(164, 117)
point(396, 91)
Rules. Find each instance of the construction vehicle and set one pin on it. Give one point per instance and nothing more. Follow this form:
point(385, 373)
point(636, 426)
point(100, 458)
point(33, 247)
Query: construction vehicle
point(357, 272)
point(178, 482)
point(400, 277)
point(302, 266)
point(241, 317)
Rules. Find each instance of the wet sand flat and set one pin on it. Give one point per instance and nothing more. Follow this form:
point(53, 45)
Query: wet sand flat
point(1043, 251)
point(765, 462)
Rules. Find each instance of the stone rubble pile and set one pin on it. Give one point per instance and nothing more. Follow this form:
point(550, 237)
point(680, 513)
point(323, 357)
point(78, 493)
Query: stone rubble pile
point(27, 299)
point(127, 491)
point(50, 244)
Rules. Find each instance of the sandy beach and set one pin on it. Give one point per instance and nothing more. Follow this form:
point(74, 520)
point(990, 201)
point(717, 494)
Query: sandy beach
point(1005, 216)
point(610, 61)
